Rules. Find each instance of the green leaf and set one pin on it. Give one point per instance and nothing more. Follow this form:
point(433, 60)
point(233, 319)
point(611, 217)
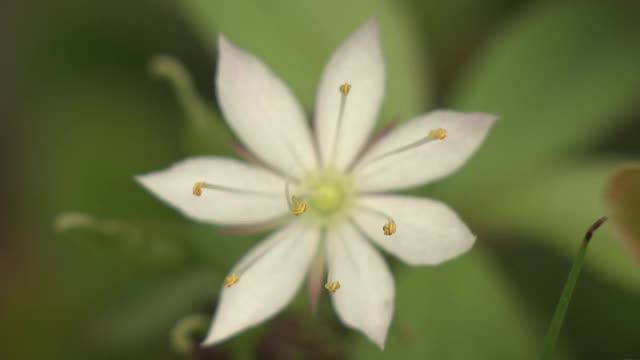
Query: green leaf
point(149, 313)
point(623, 200)
point(557, 205)
point(297, 47)
point(461, 310)
point(558, 76)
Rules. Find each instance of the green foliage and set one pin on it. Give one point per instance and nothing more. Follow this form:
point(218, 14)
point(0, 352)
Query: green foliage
point(297, 38)
point(557, 321)
point(559, 76)
point(557, 205)
point(156, 308)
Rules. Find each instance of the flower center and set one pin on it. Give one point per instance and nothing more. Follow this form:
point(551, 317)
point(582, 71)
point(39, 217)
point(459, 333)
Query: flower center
point(329, 193)
point(327, 198)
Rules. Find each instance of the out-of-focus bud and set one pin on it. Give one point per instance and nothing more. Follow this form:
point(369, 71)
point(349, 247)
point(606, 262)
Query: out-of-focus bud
point(188, 332)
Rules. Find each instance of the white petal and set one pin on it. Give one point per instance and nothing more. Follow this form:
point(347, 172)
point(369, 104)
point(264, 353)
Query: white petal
point(270, 275)
point(359, 62)
point(262, 111)
point(365, 298)
point(428, 232)
point(259, 196)
point(436, 159)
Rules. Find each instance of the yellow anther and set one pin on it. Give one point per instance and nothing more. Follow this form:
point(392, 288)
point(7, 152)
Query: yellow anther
point(332, 286)
point(297, 206)
point(231, 279)
point(438, 133)
point(389, 228)
point(197, 188)
point(345, 88)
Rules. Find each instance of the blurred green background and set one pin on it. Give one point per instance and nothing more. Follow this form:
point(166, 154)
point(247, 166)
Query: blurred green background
point(93, 267)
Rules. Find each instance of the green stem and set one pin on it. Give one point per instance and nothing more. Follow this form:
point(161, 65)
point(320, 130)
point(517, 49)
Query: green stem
point(563, 304)
point(203, 132)
point(196, 109)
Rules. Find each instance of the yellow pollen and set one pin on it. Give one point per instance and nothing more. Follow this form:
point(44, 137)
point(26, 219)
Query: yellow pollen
point(332, 286)
point(297, 206)
point(345, 88)
point(231, 279)
point(197, 188)
point(389, 228)
point(438, 133)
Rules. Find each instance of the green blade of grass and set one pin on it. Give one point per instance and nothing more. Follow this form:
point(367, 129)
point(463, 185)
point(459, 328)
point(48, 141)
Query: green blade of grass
point(565, 298)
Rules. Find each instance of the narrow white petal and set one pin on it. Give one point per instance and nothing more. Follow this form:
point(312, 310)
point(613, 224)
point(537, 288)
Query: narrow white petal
point(262, 111)
point(359, 62)
point(428, 162)
point(269, 277)
point(365, 298)
point(257, 195)
point(428, 232)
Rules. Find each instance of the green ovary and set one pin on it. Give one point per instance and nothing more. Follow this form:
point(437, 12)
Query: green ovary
point(329, 194)
point(327, 198)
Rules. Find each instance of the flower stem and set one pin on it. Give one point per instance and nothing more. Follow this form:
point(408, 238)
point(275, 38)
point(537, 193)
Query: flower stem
point(565, 298)
point(203, 129)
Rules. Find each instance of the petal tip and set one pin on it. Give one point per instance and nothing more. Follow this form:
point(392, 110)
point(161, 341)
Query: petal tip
point(370, 29)
point(222, 41)
point(491, 118)
point(464, 247)
point(142, 179)
point(225, 47)
point(372, 24)
point(470, 243)
point(380, 341)
point(210, 340)
point(215, 336)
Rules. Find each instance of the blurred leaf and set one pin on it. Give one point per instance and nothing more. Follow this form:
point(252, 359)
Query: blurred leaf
point(462, 310)
point(454, 30)
point(150, 312)
point(559, 204)
point(623, 200)
point(297, 46)
point(91, 143)
point(558, 76)
point(597, 306)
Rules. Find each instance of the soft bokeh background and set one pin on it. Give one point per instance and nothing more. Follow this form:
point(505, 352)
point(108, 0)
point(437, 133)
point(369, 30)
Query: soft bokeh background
point(93, 267)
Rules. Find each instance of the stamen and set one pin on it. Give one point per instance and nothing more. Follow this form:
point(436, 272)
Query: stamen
point(197, 188)
point(230, 280)
point(332, 286)
point(389, 228)
point(344, 90)
point(297, 207)
point(434, 135)
point(438, 133)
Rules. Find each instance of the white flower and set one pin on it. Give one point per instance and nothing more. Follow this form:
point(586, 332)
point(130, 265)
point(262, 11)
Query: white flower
point(323, 188)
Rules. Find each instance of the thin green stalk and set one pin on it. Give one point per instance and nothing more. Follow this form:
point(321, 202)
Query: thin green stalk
point(203, 131)
point(561, 309)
